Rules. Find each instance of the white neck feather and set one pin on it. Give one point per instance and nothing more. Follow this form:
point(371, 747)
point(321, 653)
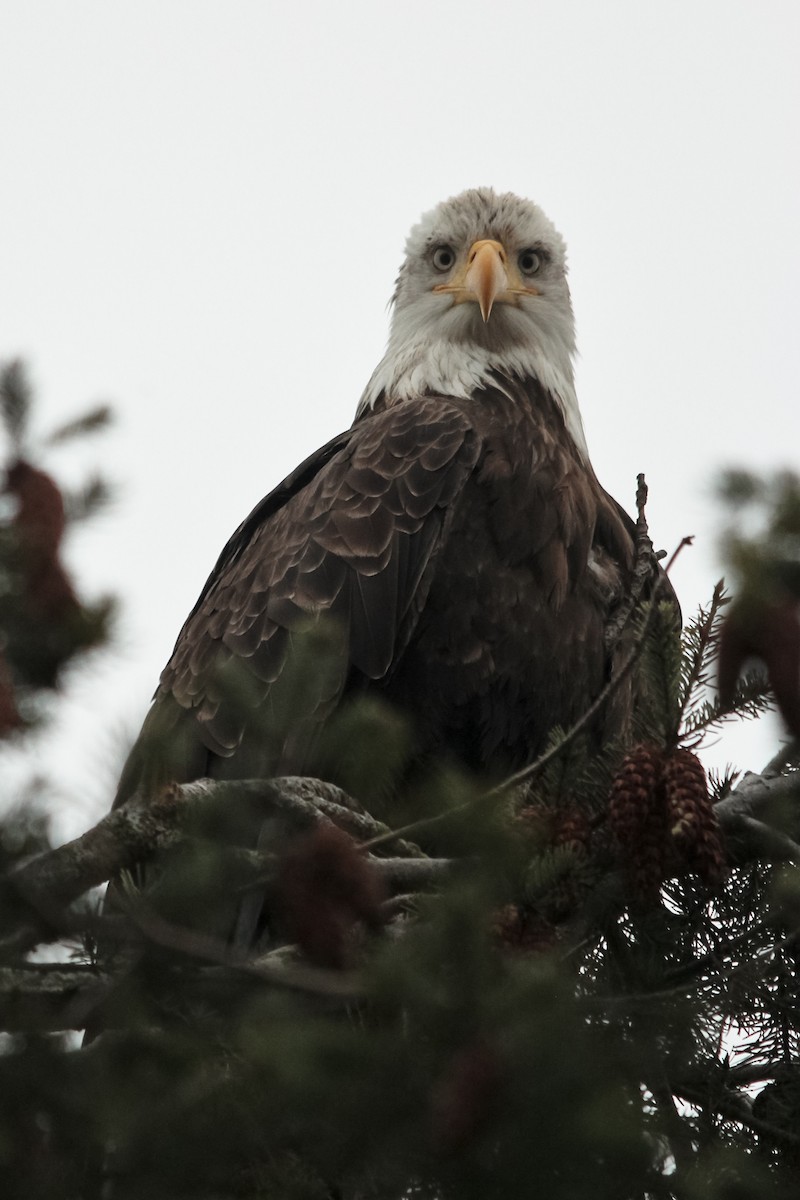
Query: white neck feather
point(452, 355)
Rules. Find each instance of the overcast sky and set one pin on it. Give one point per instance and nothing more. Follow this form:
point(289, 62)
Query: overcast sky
point(203, 206)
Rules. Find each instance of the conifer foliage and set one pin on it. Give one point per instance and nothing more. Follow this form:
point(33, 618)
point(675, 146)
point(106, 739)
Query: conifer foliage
point(584, 984)
point(43, 622)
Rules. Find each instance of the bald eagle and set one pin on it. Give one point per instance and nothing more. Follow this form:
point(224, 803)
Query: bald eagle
point(455, 536)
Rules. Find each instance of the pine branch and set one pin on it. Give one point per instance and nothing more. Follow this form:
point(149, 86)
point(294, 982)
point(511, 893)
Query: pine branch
point(36, 997)
point(89, 500)
point(15, 400)
point(705, 964)
point(645, 562)
point(36, 892)
point(700, 639)
point(679, 1131)
point(736, 1108)
point(746, 835)
point(268, 969)
point(745, 1074)
point(93, 421)
point(752, 698)
point(38, 889)
point(47, 997)
point(254, 870)
point(655, 718)
point(788, 756)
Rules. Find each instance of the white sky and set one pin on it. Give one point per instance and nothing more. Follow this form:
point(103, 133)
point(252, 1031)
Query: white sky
point(203, 206)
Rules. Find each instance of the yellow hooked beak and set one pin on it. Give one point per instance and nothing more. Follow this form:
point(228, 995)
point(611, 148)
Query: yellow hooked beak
point(488, 278)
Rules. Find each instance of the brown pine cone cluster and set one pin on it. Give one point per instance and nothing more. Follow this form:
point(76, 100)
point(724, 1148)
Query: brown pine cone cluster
point(522, 930)
point(662, 819)
point(572, 829)
point(39, 524)
point(43, 624)
point(548, 828)
point(767, 628)
point(327, 890)
point(464, 1097)
point(556, 826)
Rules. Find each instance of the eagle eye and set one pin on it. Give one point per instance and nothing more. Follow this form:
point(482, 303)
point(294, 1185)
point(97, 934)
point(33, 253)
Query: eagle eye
point(529, 262)
point(443, 258)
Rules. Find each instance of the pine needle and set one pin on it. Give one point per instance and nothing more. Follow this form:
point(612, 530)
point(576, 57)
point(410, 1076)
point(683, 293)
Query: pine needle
point(92, 421)
point(89, 500)
point(752, 698)
point(15, 399)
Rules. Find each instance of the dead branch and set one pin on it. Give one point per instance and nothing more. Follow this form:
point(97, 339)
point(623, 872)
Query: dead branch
point(44, 997)
point(38, 892)
point(645, 566)
point(51, 997)
point(788, 756)
point(37, 889)
point(735, 1107)
point(743, 818)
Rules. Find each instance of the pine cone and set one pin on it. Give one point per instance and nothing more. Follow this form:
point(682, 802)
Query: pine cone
point(327, 888)
point(637, 818)
point(545, 824)
point(572, 830)
point(535, 823)
point(686, 795)
point(547, 828)
point(663, 820)
point(769, 629)
point(464, 1098)
point(692, 821)
point(522, 930)
point(39, 525)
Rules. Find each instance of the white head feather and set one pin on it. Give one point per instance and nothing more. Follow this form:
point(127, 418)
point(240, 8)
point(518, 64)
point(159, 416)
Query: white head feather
point(439, 347)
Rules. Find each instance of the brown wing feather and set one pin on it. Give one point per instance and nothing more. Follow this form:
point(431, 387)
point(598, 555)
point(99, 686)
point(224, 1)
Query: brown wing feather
point(351, 534)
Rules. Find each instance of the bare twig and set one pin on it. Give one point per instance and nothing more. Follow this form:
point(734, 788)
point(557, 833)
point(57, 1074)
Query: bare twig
point(642, 574)
point(254, 869)
point(45, 997)
point(737, 1108)
point(787, 757)
point(699, 967)
point(116, 843)
point(296, 976)
point(39, 997)
point(412, 874)
point(38, 888)
point(747, 837)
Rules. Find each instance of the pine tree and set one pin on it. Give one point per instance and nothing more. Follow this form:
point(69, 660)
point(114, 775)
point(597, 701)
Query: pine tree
point(582, 982)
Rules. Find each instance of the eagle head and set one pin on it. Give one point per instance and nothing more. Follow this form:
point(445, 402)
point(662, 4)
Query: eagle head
point(482, 295)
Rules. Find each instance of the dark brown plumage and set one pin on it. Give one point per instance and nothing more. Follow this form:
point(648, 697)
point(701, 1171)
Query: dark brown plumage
point(455, 539)
point(470, 560)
